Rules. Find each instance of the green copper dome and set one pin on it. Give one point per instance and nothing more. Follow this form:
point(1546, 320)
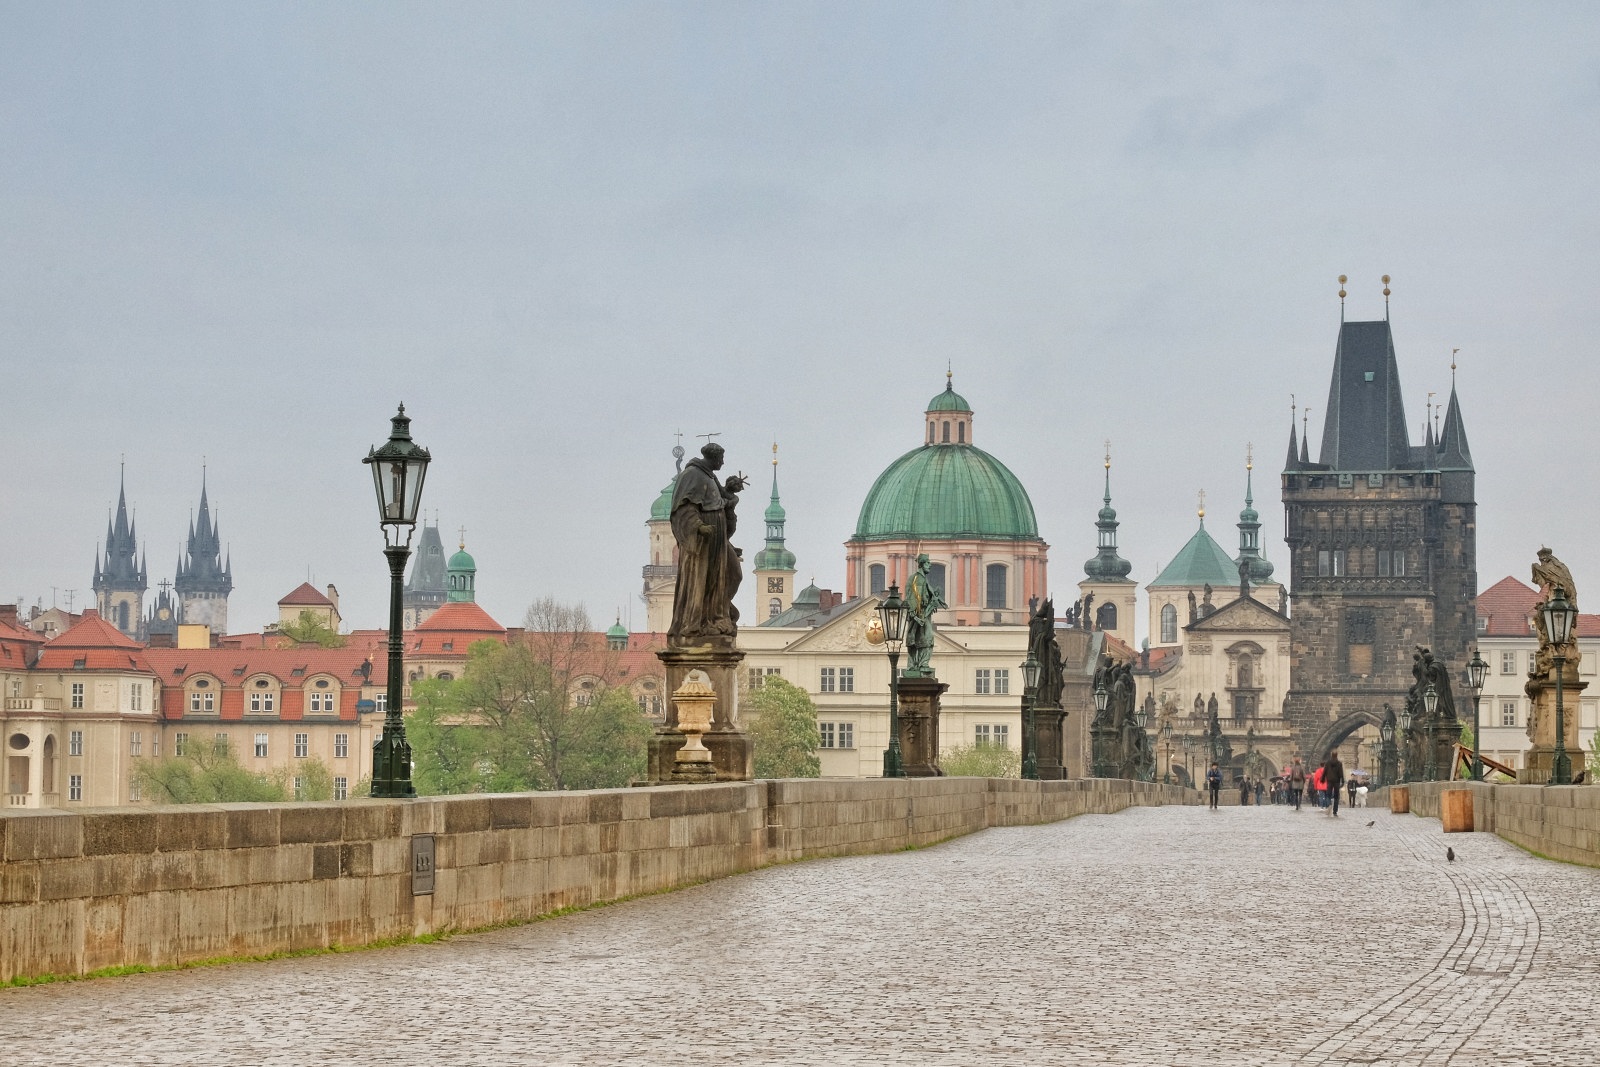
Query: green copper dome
point(947, 491)
point(617, 631)
point(661, 510)
point(949, 400)
point(462, 561)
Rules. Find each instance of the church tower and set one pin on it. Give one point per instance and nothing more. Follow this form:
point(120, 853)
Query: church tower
point(661, 572)
point(120, 578)
point(425, 590)
point(1107, 575)
point(204, 578)
point(1382, 537)
point(774, 564)
point(1252, 563)
point(461, 576)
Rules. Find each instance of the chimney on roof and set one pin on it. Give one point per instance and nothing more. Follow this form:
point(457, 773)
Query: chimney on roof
point(8, 613)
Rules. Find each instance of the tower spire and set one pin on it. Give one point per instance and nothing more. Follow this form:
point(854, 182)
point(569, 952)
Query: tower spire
point(1253, 566)
point(1107, 566)
point(1293, 462)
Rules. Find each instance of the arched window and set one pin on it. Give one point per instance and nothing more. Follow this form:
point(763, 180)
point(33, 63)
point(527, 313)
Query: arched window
point(774, 608)
point(936, 576)
point(930, 431)
point(875, 580)
point(961, 432)
point(995, 585)
point(1169, 624)
point(1105, 617)
point(122, 616)
point(947, 431)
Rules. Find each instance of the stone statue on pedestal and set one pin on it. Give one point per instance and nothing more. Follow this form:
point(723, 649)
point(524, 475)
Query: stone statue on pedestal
point(1045, 650)
point(922, 600)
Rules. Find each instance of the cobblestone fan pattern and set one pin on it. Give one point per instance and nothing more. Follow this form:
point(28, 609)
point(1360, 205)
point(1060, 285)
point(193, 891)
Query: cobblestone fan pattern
point(1247, 936)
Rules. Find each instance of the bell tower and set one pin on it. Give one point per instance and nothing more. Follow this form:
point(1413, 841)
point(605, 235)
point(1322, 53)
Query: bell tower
point(774, 564)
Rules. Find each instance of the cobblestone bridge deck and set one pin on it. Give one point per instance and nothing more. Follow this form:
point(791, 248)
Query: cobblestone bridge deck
point(1249, 936)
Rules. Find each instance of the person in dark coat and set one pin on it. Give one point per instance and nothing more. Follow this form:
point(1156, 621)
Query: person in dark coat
point(1333, 778)
point(1214, 783)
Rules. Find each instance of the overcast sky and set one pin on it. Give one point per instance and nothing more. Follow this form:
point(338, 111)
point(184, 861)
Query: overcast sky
point(240, 234)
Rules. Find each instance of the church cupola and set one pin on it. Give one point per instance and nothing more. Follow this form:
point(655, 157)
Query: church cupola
point(774, 564)
point(949, 416)
point(1107, 566)
point(461, 575)
point(1260, 570)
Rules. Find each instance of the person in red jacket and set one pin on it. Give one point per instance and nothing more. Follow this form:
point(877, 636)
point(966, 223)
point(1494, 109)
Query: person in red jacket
point(1317, 787)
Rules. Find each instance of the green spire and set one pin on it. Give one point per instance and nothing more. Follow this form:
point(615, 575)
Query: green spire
point(1107, 566)
point(775, 557)
point(1250, 528)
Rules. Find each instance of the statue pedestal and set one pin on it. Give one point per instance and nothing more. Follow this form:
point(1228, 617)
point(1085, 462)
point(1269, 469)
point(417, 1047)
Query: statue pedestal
point(1106, 746)
point(1049, 724)
point(1542, 725)
point(919, 726)
point(732, 753)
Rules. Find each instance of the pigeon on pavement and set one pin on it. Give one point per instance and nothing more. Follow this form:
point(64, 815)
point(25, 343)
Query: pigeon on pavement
point(1450, 854)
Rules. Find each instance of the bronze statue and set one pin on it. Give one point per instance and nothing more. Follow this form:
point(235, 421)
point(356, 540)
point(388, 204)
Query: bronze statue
point(922, 600)
point(709, 568)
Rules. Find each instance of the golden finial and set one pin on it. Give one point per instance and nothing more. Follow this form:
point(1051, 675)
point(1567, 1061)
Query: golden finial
point(774, 453)
point(1108, 453)
point(1342, 280)
point(1249, 456)
point(1202, 508)
point(949, 372)
point(1453, 352)
point(1385, 285)
point(462, 544)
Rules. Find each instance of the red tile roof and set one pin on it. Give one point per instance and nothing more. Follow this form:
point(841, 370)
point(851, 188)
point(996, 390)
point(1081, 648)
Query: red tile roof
point(288, 665)
point(461, 616)
point(1507, 606)
point(306, 594)
point(93, 645)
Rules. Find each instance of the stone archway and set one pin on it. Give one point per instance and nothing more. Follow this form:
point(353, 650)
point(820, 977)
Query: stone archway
point(1340, 730)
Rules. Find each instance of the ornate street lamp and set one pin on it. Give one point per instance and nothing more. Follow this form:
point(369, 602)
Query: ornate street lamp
point(1405, 734)
point(1102, 698)
point(398, 469)
point(1559, 617)
point(1030, 690)
point(892, 611)
point(1430, 704)
point(1166, 739)
point(1477, 674)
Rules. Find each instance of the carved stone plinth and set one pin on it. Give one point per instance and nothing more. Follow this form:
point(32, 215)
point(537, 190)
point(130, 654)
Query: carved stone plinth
point(1542, 725)
point(919, 726)
point(1106, 748)
point(732, 754)
point(1049, 724)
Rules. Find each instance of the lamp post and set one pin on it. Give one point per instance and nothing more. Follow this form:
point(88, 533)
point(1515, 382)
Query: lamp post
point(1030, 690)
point(1559, 615)
point(893, 613)
point(1477, 674)
point(1430, 704)
point(1405, 736)
point(398, 469)
point(1102, 698)
point(1166, 740)
point(1387, 757)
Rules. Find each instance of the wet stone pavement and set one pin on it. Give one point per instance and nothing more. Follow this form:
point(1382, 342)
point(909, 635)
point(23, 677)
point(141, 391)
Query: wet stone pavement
point(1246, 936)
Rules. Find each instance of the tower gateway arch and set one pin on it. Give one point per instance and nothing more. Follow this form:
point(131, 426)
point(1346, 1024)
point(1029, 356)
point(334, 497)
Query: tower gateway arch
point(1382, 537)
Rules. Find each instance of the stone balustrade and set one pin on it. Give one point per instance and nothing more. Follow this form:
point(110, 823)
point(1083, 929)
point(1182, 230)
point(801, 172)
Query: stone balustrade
point(85, 890)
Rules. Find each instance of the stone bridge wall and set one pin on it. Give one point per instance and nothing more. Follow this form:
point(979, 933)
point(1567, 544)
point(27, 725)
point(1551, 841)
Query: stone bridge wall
point(90, 889)
point(1561, 822)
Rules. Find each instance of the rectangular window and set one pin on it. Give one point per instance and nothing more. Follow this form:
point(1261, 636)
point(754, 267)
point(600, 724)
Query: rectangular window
point(847, 735)
point(1338, 563)
point(1002, 735)
point(847, 679)
point(1508, 663)
point(1399, 563)
point(825, 729)
point(135, 794)
point(77, 694)
point(302, 745)
point(180, 744)
point(1508, 713)
point(299, 788)
point(341, 787)
point(155, 745)
point(1383, 563)
point(1586, 664)
point(135, 742)
point(1324, 563)
point(75, 787)
point(826, 684)
point(980, 683)
point(1002, 681)
point(136, 697)
point(75, 743)
point(341, 746)
point(219, 743)
point(381, 703)
point(261, 746)
point(194, 701)
point(255, 702)
point(981, 735)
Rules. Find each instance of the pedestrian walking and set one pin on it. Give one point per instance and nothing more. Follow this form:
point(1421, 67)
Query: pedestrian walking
point(1244, 792)
point(1297, 783)
point(1350, 788)
point(1214, 783)
point(1333, 776)
point(1260, 789)
point(1361, 796)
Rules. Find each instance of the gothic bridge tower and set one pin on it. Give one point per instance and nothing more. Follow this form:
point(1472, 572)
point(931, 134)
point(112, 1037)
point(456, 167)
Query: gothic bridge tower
point(1382, 537)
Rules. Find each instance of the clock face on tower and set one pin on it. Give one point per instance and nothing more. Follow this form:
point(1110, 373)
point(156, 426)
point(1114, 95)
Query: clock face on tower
point(774, 585)
point(164, 614)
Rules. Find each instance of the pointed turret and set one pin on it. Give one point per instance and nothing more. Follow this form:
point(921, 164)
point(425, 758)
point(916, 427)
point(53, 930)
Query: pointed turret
point(120, 578)
point(774, 564)
point(425, 593)
point(1453, 451)
point(1260, 570)
point(203, 582)
point(1293, 462)
point(1107, 574)
point(1364, 426)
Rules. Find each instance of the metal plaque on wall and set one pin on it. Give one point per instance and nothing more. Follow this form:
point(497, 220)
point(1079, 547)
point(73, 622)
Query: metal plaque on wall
point(421, 864)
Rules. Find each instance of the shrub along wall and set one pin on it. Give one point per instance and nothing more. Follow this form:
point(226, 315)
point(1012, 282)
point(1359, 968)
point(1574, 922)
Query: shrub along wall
point(91, 889)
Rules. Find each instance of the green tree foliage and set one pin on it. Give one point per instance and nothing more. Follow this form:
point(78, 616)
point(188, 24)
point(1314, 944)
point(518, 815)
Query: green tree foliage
point(205, 774)
point(981, 761)
point(316, 780)
point(1593, 762)
point(308, 629)
point(539, 712)
point(782, 722)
